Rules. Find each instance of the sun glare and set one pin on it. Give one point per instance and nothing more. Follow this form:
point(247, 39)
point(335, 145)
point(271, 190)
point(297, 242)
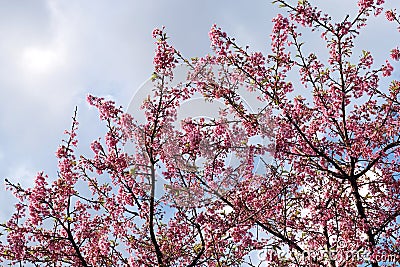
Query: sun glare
point(39, 60)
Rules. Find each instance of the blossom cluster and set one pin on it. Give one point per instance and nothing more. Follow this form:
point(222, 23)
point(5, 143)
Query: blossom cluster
point(314, 165)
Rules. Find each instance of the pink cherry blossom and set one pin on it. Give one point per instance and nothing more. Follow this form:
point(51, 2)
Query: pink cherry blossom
point(390, 15)
point(323, 189)
point(395, 54)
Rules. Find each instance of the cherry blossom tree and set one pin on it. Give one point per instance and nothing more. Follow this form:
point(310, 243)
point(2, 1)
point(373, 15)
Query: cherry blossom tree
point(330, 196)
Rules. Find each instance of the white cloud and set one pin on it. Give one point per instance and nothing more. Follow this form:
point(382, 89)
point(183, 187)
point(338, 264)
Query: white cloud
point(23, 174)
point(39, 60)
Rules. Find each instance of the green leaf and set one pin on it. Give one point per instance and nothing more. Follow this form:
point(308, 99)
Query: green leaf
point(197, 248)
point(153, 77)
point(132, 171)
point(365, 53)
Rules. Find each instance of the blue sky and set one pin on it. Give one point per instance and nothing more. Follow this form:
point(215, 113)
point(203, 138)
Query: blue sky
point(53, 53)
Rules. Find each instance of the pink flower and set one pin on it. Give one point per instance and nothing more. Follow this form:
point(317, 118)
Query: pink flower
point(363, 4)
point(164, 58)
point(157, 32)
point(61, 152)
point(106, 108)
point(395, 54)
point(280, 23)
point(102, 209)
point(218, 40)
point(96, 146)
point(387, 70)
point(390, 15)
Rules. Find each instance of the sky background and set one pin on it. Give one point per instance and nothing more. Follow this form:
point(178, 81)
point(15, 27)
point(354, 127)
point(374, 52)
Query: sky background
point(53, 53)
